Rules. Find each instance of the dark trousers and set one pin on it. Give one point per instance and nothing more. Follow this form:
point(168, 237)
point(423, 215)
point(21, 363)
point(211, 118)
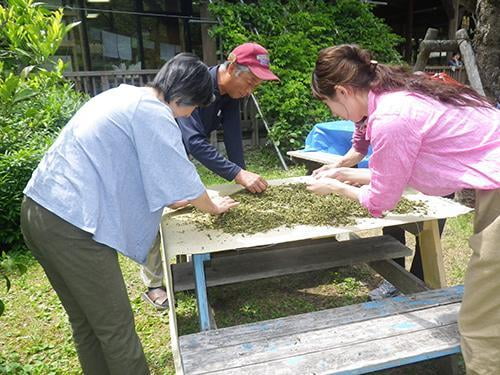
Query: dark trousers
point(88, 281)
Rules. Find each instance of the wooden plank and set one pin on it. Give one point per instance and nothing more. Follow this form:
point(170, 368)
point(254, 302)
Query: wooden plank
point(432, 255)
point(290, 260)
point(423, 54)
point(439, 45)
point(316, 156)
point(398, 276)
point(318, 320)
point(384, 354)
point(335, 349)
point(110, 73)
point(105, 83)
point(469, 60)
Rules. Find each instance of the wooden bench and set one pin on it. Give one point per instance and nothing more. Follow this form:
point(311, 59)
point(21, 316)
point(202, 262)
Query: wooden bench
point(354, 339)
point(290, 258)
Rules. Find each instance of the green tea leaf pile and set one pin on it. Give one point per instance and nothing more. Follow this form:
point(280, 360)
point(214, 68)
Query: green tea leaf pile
point(291, 205)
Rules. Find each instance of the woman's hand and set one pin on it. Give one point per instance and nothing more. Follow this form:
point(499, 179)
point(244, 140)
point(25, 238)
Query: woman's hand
point(179, 204)
point(325, 186)
point(213, 205)
point(351, 176)
point(223, 204)
point(324, 170)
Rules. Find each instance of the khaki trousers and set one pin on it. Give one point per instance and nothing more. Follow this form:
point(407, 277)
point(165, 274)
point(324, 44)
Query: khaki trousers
point(87, 279)
point(152, 271)
point(479, 318)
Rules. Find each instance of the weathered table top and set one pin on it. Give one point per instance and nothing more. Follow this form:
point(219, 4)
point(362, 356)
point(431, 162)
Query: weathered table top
point(316, 156)
point(183, 237)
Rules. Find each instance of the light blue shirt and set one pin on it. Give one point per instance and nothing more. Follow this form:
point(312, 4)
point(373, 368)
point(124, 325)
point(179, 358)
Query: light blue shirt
point(116, 164)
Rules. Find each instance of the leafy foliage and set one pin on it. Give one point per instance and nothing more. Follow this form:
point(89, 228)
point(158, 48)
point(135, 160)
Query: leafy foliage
point(29, 33)
point(295, 31)
point(27, 130)
point(34, 104)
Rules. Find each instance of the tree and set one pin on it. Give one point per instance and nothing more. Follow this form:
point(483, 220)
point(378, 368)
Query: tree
point(295, 31)
point(487, 45)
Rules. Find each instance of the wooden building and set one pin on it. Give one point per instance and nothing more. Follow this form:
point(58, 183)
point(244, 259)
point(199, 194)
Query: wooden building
point(130, 34)
point(128, 40)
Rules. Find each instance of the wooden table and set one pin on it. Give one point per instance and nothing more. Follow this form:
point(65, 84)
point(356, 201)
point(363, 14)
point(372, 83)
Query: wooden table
point(181, 237)
point(313, 159)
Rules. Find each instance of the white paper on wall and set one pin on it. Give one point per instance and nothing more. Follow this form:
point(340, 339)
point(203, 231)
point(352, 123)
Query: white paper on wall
point(116, 46)
point(124, 47)
point(109, 45)
point(167, 51)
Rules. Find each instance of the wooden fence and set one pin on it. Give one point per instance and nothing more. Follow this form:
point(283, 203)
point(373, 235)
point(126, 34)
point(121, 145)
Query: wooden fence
point(458, 74)
point(96, 82)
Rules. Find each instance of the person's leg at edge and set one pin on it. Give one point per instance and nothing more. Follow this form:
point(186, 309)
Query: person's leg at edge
point(151, 274)
point(89, 273)
point(87, 345)
point(479, 317)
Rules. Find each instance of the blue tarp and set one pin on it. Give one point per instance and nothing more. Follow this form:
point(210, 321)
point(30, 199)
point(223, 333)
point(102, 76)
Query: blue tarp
point(334, 137)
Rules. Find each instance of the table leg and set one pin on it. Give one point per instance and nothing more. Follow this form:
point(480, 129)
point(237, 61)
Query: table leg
point(432, 255)
point(172, 317)
point(206, 323)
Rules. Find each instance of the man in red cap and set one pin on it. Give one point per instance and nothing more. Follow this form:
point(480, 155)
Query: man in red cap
point(246, 67)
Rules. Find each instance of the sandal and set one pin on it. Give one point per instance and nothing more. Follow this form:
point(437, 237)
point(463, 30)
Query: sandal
point(156, 297)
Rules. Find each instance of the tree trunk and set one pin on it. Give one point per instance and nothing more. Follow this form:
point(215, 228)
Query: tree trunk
point(487, 45)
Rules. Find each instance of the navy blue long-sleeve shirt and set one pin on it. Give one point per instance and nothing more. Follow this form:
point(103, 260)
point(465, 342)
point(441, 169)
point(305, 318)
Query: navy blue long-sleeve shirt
point(223, 113)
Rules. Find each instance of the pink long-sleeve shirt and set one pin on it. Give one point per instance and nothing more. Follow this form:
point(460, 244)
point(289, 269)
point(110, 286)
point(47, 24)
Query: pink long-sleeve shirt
point(430, 146)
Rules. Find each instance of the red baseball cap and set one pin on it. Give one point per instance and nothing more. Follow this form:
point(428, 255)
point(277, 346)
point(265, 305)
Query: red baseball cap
point(256, 58)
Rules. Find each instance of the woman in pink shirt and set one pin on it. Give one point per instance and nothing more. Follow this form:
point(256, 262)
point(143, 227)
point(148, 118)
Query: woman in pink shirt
point(437, 139)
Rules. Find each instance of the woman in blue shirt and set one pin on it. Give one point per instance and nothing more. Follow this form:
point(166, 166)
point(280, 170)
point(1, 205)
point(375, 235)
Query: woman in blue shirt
point(101, 189)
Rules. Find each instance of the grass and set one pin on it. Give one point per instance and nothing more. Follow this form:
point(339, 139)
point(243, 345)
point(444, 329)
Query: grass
point(35, 337)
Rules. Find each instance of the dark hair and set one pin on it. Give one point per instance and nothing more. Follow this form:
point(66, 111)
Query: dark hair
point(185, 80)
point(350, 65)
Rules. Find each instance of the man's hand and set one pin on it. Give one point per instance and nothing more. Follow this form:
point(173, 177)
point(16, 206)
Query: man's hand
point(251, 181)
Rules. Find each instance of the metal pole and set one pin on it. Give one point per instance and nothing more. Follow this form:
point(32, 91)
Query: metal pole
point(285, 167)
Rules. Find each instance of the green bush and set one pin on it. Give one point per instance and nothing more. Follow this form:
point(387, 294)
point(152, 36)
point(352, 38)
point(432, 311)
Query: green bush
point(295, 31)
point(27, 130)
point(35, 102)
point(29, 33)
